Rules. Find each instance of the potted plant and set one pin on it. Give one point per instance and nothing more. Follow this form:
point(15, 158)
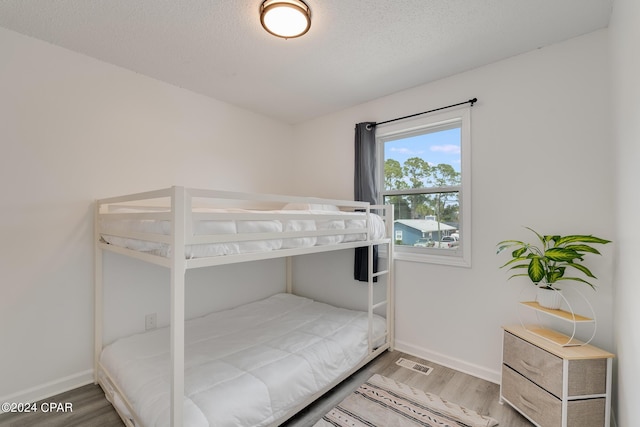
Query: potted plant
point(547, 263)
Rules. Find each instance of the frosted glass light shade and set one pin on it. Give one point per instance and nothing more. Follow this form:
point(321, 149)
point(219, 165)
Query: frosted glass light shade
point(285, 18)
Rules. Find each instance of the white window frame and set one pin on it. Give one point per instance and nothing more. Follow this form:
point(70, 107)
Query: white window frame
point(460, 257)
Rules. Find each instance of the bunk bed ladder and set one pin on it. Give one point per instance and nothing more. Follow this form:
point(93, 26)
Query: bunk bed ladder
point(388, 301)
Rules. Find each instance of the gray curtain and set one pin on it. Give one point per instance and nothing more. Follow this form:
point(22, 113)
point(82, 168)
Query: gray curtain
point(365, 188)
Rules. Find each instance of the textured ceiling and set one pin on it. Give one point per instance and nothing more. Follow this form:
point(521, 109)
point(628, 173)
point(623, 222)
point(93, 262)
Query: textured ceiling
point(356, 50)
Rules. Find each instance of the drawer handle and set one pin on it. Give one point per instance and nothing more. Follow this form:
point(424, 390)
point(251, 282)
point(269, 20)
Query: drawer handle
point(528, 404)
point(529, 367)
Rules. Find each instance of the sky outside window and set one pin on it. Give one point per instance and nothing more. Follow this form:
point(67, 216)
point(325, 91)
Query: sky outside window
point(434, 147)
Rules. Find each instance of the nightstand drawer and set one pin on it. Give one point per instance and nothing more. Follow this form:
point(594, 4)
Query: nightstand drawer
point(544, 409)
point(538, 365)
point(539, 405)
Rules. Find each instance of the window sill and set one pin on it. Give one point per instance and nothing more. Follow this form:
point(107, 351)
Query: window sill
point(453, 261)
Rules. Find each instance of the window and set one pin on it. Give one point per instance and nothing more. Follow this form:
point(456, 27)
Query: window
point(425, 173)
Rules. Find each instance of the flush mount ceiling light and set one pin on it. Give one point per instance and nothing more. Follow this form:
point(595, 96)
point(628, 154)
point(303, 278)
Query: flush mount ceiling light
point(285, 18)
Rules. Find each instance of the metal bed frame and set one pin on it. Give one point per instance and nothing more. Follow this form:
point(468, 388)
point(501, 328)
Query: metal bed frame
point(176, 205)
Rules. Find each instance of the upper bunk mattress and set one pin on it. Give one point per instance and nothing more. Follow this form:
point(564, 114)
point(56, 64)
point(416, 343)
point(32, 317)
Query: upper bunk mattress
point(249, 366)
point(113, 230)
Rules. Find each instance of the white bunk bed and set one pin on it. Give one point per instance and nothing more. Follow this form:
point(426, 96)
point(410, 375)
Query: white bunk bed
point(184, 228)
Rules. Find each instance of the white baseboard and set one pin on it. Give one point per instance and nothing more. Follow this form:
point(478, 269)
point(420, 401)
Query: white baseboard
point(449, 362)
point(49, 389)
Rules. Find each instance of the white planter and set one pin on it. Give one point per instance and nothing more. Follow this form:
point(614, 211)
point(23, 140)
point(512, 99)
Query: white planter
point(549, 298)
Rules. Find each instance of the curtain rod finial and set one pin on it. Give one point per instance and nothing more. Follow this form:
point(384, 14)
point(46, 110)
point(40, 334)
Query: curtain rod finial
point(473, 101)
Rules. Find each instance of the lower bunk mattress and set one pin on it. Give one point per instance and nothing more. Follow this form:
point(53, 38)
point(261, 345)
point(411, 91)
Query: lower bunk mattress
point(249, 366)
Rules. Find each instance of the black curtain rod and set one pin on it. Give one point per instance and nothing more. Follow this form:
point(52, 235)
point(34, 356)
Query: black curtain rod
point(471, 101)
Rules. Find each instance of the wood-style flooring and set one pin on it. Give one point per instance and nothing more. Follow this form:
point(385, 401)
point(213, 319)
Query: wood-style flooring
point(91, 409)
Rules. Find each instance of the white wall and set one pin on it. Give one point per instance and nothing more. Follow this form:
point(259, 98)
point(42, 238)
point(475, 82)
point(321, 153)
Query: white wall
point(625, 33)
point(73, 129)
point(541, 157)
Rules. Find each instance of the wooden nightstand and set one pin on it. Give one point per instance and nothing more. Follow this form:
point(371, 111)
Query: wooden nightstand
point(555, 386)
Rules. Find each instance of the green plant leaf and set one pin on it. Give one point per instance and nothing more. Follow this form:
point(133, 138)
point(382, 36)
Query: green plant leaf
point(518, 275)
point(518, 252)
point(505, 244)
point(514, 260)
point(555, 275)
point(511, 243)
point(582, 268)
point(583, 248)
point(581, 238)
point(562, 254)
point(577, 279)
point(536, 270)
point(553, 239)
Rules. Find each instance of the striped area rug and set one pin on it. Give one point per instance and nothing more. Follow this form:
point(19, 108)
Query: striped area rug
point(383, 402)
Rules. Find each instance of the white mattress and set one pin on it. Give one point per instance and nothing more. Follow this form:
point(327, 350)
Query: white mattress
point(228, 227)
point(244, 367)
